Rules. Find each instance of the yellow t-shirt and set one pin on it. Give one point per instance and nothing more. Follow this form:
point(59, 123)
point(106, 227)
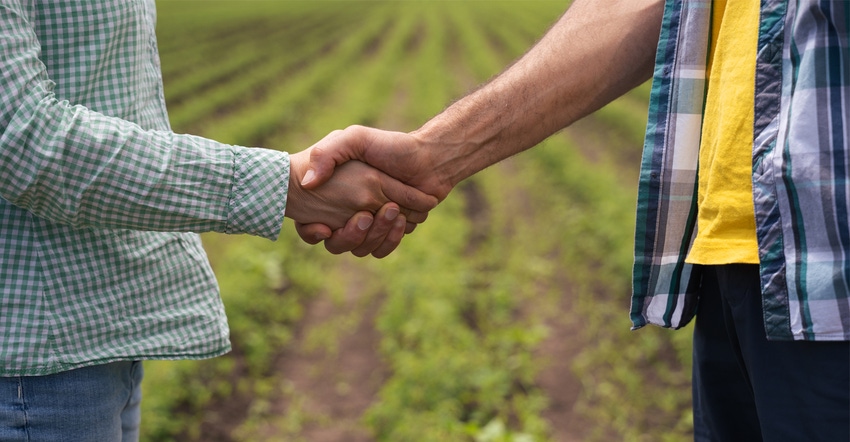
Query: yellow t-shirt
point(726, 227)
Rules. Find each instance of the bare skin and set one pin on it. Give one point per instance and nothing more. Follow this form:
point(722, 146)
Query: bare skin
point(597, 51)
point(347, 201)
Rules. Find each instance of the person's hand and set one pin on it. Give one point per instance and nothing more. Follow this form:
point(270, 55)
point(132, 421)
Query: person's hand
point(364, 234)
point(404, 156)
point(346, 203)
point(395, 153)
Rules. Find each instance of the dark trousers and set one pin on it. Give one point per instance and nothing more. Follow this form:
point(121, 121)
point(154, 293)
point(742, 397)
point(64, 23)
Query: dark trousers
point(747, 388)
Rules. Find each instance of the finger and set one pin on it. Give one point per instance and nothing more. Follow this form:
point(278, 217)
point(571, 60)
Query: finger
point(409, 227)
point(413, 216)
point(407, 196)
point(313, 233)
point(352, 235)
point(392, 240)
point(385, 221)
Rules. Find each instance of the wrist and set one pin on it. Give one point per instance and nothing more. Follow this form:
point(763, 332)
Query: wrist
point(295, 193)
point(457, 149)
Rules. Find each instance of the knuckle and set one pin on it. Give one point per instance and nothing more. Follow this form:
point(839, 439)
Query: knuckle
point(354, 130)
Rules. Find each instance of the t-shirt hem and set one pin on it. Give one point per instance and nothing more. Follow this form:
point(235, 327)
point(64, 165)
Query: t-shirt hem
point(722, 252)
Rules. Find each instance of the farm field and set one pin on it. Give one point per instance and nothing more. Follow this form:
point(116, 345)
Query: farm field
point(502, 318)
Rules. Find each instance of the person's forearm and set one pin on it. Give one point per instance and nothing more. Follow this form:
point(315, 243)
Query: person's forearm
point(69, 164)
point(596, 52)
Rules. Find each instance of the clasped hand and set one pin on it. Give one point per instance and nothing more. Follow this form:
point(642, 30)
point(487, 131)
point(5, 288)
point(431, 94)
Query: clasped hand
point(407, 171)
point(366, 210)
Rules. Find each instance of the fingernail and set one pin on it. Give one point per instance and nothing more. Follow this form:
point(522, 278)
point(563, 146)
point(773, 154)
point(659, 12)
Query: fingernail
point(321, 237)
point(391, 213)
point(308, 177)
point(364, 222)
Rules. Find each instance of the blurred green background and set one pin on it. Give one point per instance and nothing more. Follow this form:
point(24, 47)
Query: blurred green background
point(503, 318)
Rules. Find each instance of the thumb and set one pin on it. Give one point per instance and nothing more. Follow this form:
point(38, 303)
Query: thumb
point(320, 168)
point(333, 150)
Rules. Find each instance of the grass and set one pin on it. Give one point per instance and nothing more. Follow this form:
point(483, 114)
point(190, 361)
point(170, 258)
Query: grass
point(467, 301)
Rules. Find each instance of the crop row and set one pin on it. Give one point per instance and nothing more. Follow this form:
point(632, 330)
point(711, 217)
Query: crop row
point(471, 295)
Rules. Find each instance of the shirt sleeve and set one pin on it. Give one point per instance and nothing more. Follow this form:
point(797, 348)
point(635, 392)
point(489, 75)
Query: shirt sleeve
point(71, 165)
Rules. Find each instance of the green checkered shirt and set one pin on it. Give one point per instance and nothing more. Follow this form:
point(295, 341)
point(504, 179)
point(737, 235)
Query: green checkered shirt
point(99, 197)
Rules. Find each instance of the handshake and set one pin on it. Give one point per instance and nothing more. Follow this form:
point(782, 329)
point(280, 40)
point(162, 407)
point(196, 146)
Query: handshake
point(362, 189)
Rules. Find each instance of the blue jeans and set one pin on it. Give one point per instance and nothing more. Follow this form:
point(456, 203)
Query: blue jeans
point(749, 389)
point(98, 404)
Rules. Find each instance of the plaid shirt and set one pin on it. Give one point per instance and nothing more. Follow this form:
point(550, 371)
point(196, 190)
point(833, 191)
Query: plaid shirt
point(801, 169)
point(99, 196)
